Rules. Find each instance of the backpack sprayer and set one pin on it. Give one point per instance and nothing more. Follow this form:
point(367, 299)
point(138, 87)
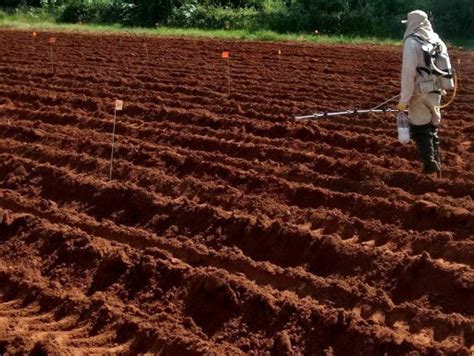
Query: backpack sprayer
point(456, 84)
point(437, 74)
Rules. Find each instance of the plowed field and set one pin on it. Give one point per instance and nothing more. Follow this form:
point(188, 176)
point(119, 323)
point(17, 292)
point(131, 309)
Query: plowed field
point(226, 228)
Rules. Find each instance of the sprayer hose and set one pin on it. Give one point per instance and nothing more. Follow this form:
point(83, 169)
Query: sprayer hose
point(454, 92)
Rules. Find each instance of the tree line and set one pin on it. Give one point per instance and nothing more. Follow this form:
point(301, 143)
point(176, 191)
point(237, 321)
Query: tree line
point(381, 18)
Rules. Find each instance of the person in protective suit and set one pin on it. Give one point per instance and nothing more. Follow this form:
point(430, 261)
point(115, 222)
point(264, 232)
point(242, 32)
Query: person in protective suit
point(422, 86)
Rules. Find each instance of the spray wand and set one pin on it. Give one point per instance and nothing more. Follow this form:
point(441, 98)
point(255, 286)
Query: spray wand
point(375, 109)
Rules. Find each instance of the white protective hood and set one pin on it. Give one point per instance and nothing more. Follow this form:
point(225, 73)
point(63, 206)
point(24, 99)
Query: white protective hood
point(417, 23)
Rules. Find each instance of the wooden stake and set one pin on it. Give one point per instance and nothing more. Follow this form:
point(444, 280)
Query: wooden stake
point(226, 56)
point(118, 107)
point(228, 76)
point(34, 36)
point(146, 50)
point(279, 59)
point(113, 143)
point(52, 61)
point(52, 41)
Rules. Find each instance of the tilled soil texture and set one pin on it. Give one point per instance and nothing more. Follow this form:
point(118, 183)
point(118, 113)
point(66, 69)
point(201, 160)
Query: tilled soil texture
point(227, 228)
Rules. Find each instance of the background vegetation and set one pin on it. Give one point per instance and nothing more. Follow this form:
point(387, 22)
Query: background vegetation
point(452, 19)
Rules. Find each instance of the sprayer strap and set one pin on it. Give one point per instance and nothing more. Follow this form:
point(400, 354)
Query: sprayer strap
point(448, 74)
point(423, 69)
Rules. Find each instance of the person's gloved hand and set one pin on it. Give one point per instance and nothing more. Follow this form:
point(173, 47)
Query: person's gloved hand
point(401, 107)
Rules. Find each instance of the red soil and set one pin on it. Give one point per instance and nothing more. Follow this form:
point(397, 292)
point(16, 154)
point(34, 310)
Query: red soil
point(227, 227)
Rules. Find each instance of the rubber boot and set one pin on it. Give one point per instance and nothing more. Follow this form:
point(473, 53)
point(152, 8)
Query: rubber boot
point(423, 137)
point(437, 153)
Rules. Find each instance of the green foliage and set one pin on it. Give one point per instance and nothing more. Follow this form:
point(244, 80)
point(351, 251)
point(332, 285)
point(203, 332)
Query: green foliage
point(27, 13)
point(193, 15)
point(97, 11)
point(152, 12)
point(454, 18)
point(450, 18)
point(7, 4)
point(236, 4)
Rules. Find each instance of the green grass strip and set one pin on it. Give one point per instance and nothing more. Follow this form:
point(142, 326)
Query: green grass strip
point(46, 22)
point(26, 23)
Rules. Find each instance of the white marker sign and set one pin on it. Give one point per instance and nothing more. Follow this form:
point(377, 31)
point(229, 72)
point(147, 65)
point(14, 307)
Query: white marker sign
point(118, 105)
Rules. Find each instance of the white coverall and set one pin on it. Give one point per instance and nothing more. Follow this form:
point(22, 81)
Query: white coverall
point(422, 108)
